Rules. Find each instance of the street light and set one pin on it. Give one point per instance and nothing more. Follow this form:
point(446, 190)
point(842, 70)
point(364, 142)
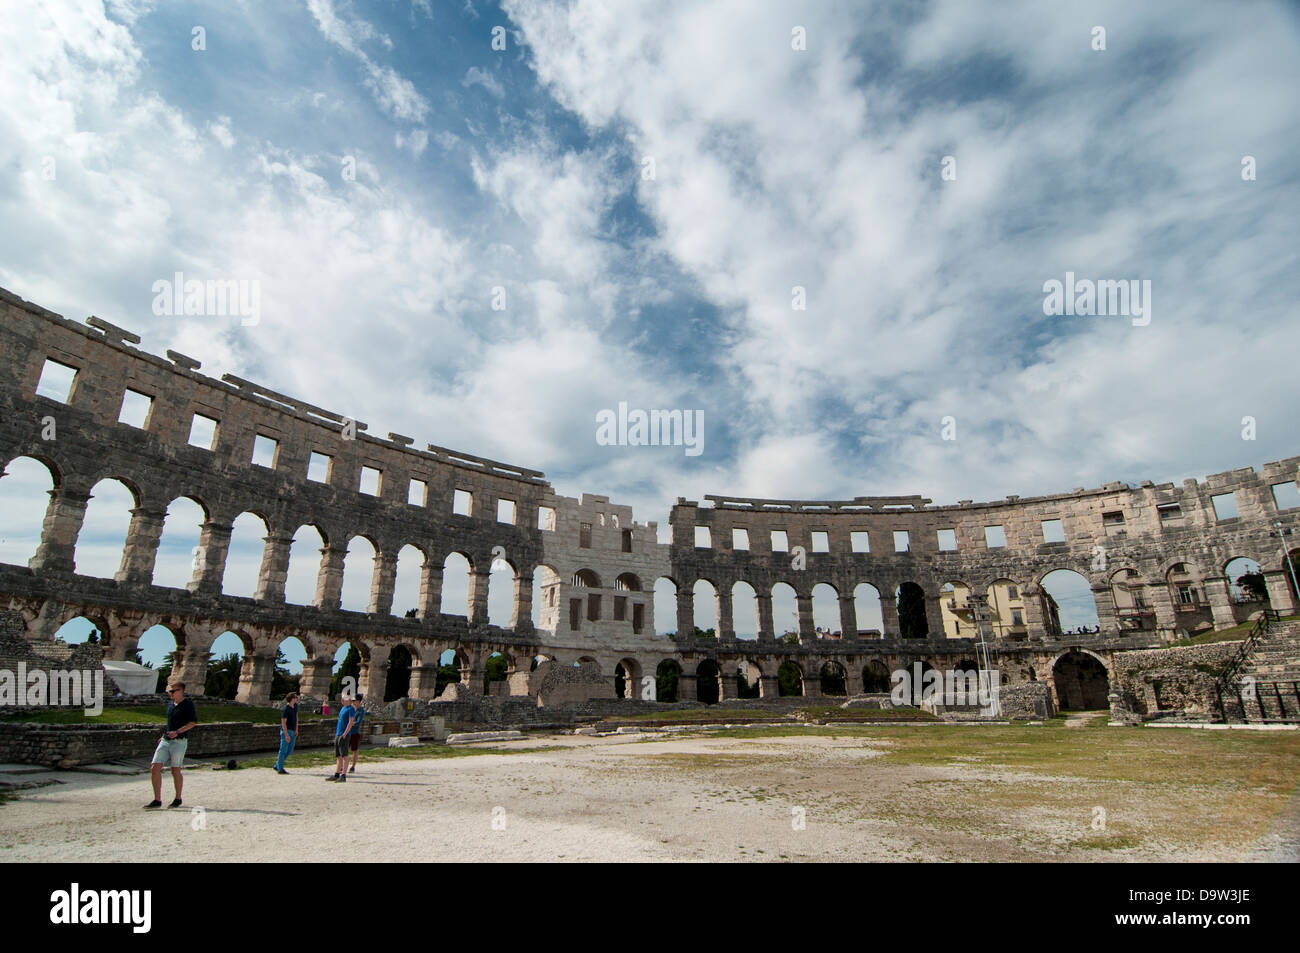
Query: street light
point(1282, 534)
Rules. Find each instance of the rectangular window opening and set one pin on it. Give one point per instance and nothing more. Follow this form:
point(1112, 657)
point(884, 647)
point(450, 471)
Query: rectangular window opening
point(620, 608)
point(584, 535)
point(506, 511)
point(703, 539)
point(995, 537)
point(370, 479)
point(462, 503)
point(318, 467)
point(1285, 496)
point(1225, 506)
point(627, 540)
point(821, 541)
point(740, 539)
point(417, 493)
point(780, 542)
point(56, 381)
point(264, 449)
point(947, 540)
point(203, 432)
point(135, 409)
point(546, 519)
point(860, 540)
point(902, 542)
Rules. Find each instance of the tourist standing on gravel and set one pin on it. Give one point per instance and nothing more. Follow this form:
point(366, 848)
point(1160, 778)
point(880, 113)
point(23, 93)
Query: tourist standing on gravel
point(354, 739)
point(288, 730)
point(347, 718)
point(181, 717)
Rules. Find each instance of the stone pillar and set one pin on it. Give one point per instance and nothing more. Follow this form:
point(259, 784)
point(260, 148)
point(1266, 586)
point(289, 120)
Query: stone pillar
point(1107, 616)
point(807, 631)
point(329, 581)
point(1216, 590)
point(686, 617)
point(768, 686)
point(853, 679)
point(765, 626)
point(812, 678)
point(1160, 599)
point(1035, 619)
point(478, 597)
point(374, 677)
point(424, 681)
point(1280, 596)
point(316, 675)
point(255, 678)
point(889, 617)
point(210, 564)
point(848, 618)
point(141, 550)
point(726, 621)
point(190, 665)
point(521, 617)
point(933, 618)
point(686, 688)
point(274, 573)
point(63, 517)
point(430, 589)
point(383, 580)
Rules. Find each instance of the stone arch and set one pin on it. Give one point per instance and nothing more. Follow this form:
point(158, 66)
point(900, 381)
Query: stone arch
point(875, 677)
point(627, 678)
point(26, 483)
point(708, 682)
point(244, 554)
point(826, 611)
point(955, 610)
point(101, 542)
point(1243, 595)
point(178, 542)
point(1081, 679)
point(585, 579)
point(913, 620)
point(868, 609)
point(785, 610)
point(456, 567)
point(628, 582)
point(749, 679)
point(744, 611)
point(665, 606)
point(501, 592)
point(547, 599)
point(1068, 601)
point(667, 679)
point(358, 573)
point(1004, 609)
point(789, 678)
point(834, 680)
point(408, 573)
point(306, 553)
point(706, 606)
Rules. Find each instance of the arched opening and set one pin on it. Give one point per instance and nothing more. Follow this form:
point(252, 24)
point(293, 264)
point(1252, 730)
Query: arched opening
point(406, 582)
point(912, 621)
point(1246, 587)
point(785, 614)
point(501, 593)
point(303, 574)
point(875, 678)
point(744, 611)
point(226, 658)
point(708, 682)
point(455, 585)
point(627, 679)
point(178, 546)
point(289, 656)
point(789, 679)
point(826, 611)
point(627, 582)
point(1071, 608)
point(866, 605)
point(103, 531)
point(244, 556)
point(358, 575)
point(546, 599)
point(345, 674)
point(24, 496)
point(956, 611)
point(79, 630)
point(495, 669)
point(156, 649)
point(706, 609)
point(450, 665)
point(1082, 682)
point(833, 681)
point(665, 608)
point(666, 675)
point(749, 680)
point(1131, 609)
point(398, 682)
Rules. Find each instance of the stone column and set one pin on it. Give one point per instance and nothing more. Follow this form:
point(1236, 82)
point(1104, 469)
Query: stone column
point(765, 626)
point(1160, 599)
point(329, 581)
point(933, 618)
point(317, 673)
point(274, 573)
point(190, 665)
point(373, 677)
point(424, 681)
point(1278, 582)
point(853, 679)
point(430, 589)
point(1107, 616)
point(210, 564)
point(726, 621)
point(383, 580)
point(848, 618)
point(1035, 618)
point(63, 517)
point(686, 616)
point(141, 550)
point(686, 688)
point(255, 678)
point(521, 617)
point(478, 597)
point(1216, 590)
point(889, 617)
point(807, 631)
point(768, 686)
point(812, 678)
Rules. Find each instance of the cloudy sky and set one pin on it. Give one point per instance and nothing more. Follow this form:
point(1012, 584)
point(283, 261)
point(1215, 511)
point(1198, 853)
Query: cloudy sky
point(644, 191)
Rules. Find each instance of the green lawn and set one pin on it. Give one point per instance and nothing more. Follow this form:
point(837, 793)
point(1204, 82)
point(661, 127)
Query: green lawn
point(324, 757)
point(715, 715)
point(155, 716)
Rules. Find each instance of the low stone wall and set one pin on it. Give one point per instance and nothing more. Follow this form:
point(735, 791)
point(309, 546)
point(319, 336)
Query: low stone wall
point(1175, 682)
point(66, 746)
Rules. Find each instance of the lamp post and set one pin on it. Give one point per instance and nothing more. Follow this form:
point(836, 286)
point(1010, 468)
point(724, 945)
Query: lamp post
point(1282, 534)
point(977, 603)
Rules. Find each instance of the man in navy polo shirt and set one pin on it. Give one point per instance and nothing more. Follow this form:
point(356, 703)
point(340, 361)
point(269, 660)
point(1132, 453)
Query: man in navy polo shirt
point(181, 718)
point(288, 730)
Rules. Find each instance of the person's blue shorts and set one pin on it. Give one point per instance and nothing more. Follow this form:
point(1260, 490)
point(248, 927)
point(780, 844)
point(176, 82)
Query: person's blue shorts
point(171, 751)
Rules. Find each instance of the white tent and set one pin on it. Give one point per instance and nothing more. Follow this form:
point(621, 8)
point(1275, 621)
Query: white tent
point(131, 678)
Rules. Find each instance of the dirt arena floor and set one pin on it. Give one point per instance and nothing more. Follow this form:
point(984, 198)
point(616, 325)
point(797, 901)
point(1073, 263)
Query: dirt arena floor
point(863, 794)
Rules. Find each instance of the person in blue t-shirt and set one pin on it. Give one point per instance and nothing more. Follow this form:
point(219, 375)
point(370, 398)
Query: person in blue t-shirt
point(347, 719)
point(354, 739)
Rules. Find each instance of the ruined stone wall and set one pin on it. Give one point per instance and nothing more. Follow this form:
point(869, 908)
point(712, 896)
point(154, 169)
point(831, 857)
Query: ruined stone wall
point(1173, 682)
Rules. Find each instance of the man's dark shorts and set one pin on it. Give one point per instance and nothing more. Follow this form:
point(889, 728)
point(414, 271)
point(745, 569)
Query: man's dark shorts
point(354, 740)
point(340, 746)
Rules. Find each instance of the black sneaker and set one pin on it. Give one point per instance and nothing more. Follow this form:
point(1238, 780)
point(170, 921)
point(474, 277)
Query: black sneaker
point(281, 771)
point(152, 805)
point(343, 777)
point(335, 777)
point(352, 770)
point(175, 803)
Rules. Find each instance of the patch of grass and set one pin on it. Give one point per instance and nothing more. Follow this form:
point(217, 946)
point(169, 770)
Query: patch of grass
point(155, 716)
point(1107, 842)
point(322, 757)
point(835, 713)
point(704, 715)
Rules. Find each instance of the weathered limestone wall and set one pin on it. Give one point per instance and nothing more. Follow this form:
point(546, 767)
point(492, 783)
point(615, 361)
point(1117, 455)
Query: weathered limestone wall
point(1173, 682)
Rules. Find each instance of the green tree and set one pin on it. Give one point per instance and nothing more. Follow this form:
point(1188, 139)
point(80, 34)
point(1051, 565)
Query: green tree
point(282, 683)
point(494, 670)
point(223, 676)
point(447, 674)
point(666, 682)
point(398, 684)
point(351, 668)
point(1253, 584)
point(788, 679)
point(164, 670)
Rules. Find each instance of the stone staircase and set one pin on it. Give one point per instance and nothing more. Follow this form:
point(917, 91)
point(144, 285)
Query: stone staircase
point(1263, 685)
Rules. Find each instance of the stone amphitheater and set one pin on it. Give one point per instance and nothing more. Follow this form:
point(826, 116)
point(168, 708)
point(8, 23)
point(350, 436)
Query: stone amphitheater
point(967, 577)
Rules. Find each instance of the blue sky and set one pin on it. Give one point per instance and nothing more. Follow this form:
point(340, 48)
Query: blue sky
point(774, 167)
